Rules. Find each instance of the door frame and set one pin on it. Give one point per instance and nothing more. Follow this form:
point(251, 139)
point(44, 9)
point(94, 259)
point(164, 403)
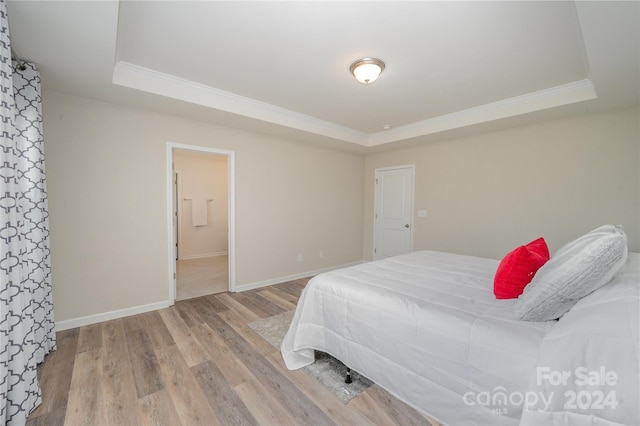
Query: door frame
point(377, 172)
point(177, 213)
point(231, 221)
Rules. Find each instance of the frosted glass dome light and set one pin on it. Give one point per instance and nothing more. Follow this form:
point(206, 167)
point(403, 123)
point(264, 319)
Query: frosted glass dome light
point(367, 70)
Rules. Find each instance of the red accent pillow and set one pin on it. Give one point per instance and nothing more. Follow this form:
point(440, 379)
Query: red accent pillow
point(518, 267)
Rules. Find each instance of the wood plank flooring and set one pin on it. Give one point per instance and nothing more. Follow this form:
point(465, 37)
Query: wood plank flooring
point(196, 363)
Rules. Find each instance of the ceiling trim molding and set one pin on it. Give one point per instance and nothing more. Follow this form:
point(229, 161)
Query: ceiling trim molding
point(577, 91)
point(148, 80)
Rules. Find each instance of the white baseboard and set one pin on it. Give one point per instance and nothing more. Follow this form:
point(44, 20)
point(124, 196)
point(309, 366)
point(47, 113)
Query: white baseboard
point(202, 256)
point(279, 280)
point(106, 316)
point(120, 313)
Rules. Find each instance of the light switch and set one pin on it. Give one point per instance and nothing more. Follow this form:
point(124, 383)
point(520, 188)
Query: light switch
point(422, 213)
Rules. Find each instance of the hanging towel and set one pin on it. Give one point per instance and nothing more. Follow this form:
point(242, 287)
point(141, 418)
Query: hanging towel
point(199, 212)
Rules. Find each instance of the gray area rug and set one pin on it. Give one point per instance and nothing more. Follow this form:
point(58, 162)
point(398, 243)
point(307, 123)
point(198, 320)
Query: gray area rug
point(326, 369)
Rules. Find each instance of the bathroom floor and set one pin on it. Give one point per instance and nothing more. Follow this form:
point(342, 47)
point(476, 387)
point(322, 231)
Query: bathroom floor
point(199, 277)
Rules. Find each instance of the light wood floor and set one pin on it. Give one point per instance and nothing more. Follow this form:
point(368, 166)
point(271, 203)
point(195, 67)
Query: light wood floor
point(196, 363)
point(200, 277)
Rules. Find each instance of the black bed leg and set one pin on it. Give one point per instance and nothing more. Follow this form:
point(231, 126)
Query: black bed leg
point(348, 378)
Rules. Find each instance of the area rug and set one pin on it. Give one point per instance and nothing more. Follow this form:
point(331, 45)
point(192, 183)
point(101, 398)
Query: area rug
point(326, 369)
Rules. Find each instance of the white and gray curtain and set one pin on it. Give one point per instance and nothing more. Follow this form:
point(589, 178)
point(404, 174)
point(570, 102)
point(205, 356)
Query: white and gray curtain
point(26, 309)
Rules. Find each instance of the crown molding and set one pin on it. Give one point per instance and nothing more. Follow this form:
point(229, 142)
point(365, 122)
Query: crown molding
point(148, 80)
point(151, 81)
point(565, 94)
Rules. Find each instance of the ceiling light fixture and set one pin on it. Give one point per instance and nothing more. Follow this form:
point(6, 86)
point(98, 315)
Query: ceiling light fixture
point(367, 70)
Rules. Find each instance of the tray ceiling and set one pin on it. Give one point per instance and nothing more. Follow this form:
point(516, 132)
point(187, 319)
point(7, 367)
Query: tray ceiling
point(285, 65)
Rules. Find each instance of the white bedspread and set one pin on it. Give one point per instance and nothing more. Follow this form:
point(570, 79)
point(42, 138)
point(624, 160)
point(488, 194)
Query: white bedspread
point(426, 327)
point(599, 339)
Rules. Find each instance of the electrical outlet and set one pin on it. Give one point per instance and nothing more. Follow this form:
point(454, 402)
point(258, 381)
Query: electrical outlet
point(299, 257)
point(321, 254)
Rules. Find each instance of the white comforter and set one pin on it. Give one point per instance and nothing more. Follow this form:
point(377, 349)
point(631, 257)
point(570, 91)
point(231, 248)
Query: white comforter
point(596, 348)
point(426, 327)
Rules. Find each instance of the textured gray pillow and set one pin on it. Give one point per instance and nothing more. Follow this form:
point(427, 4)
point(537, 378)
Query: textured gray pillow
point(577, 269)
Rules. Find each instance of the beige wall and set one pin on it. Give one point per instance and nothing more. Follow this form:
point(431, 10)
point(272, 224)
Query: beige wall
point(486, 194)
point(202, 176)
point(106, 177)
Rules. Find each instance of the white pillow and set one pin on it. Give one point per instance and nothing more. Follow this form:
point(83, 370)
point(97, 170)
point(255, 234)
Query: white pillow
point(577, 269)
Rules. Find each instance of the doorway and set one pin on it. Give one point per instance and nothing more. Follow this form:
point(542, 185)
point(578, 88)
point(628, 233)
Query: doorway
point(393, 211)
point(202, 237)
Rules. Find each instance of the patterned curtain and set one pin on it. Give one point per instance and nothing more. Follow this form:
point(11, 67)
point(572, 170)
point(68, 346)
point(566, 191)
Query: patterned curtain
point(26, 309)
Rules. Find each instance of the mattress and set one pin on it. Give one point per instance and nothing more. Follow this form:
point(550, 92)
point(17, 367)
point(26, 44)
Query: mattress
point(426, 327)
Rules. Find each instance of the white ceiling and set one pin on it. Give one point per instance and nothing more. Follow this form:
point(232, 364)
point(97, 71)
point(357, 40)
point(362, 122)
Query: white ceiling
point(283, 67)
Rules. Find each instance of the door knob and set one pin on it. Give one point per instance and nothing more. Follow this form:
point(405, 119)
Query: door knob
point(406, 225)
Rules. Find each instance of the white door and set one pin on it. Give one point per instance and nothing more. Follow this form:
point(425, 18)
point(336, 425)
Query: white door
point(393, 215)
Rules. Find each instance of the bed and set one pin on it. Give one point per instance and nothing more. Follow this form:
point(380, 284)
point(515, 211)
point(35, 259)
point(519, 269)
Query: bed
point(427, 327)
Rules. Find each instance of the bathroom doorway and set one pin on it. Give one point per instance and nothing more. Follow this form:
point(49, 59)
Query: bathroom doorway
point(202, 255)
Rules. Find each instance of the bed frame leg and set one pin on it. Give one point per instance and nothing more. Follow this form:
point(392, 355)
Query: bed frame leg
point(348, 378)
